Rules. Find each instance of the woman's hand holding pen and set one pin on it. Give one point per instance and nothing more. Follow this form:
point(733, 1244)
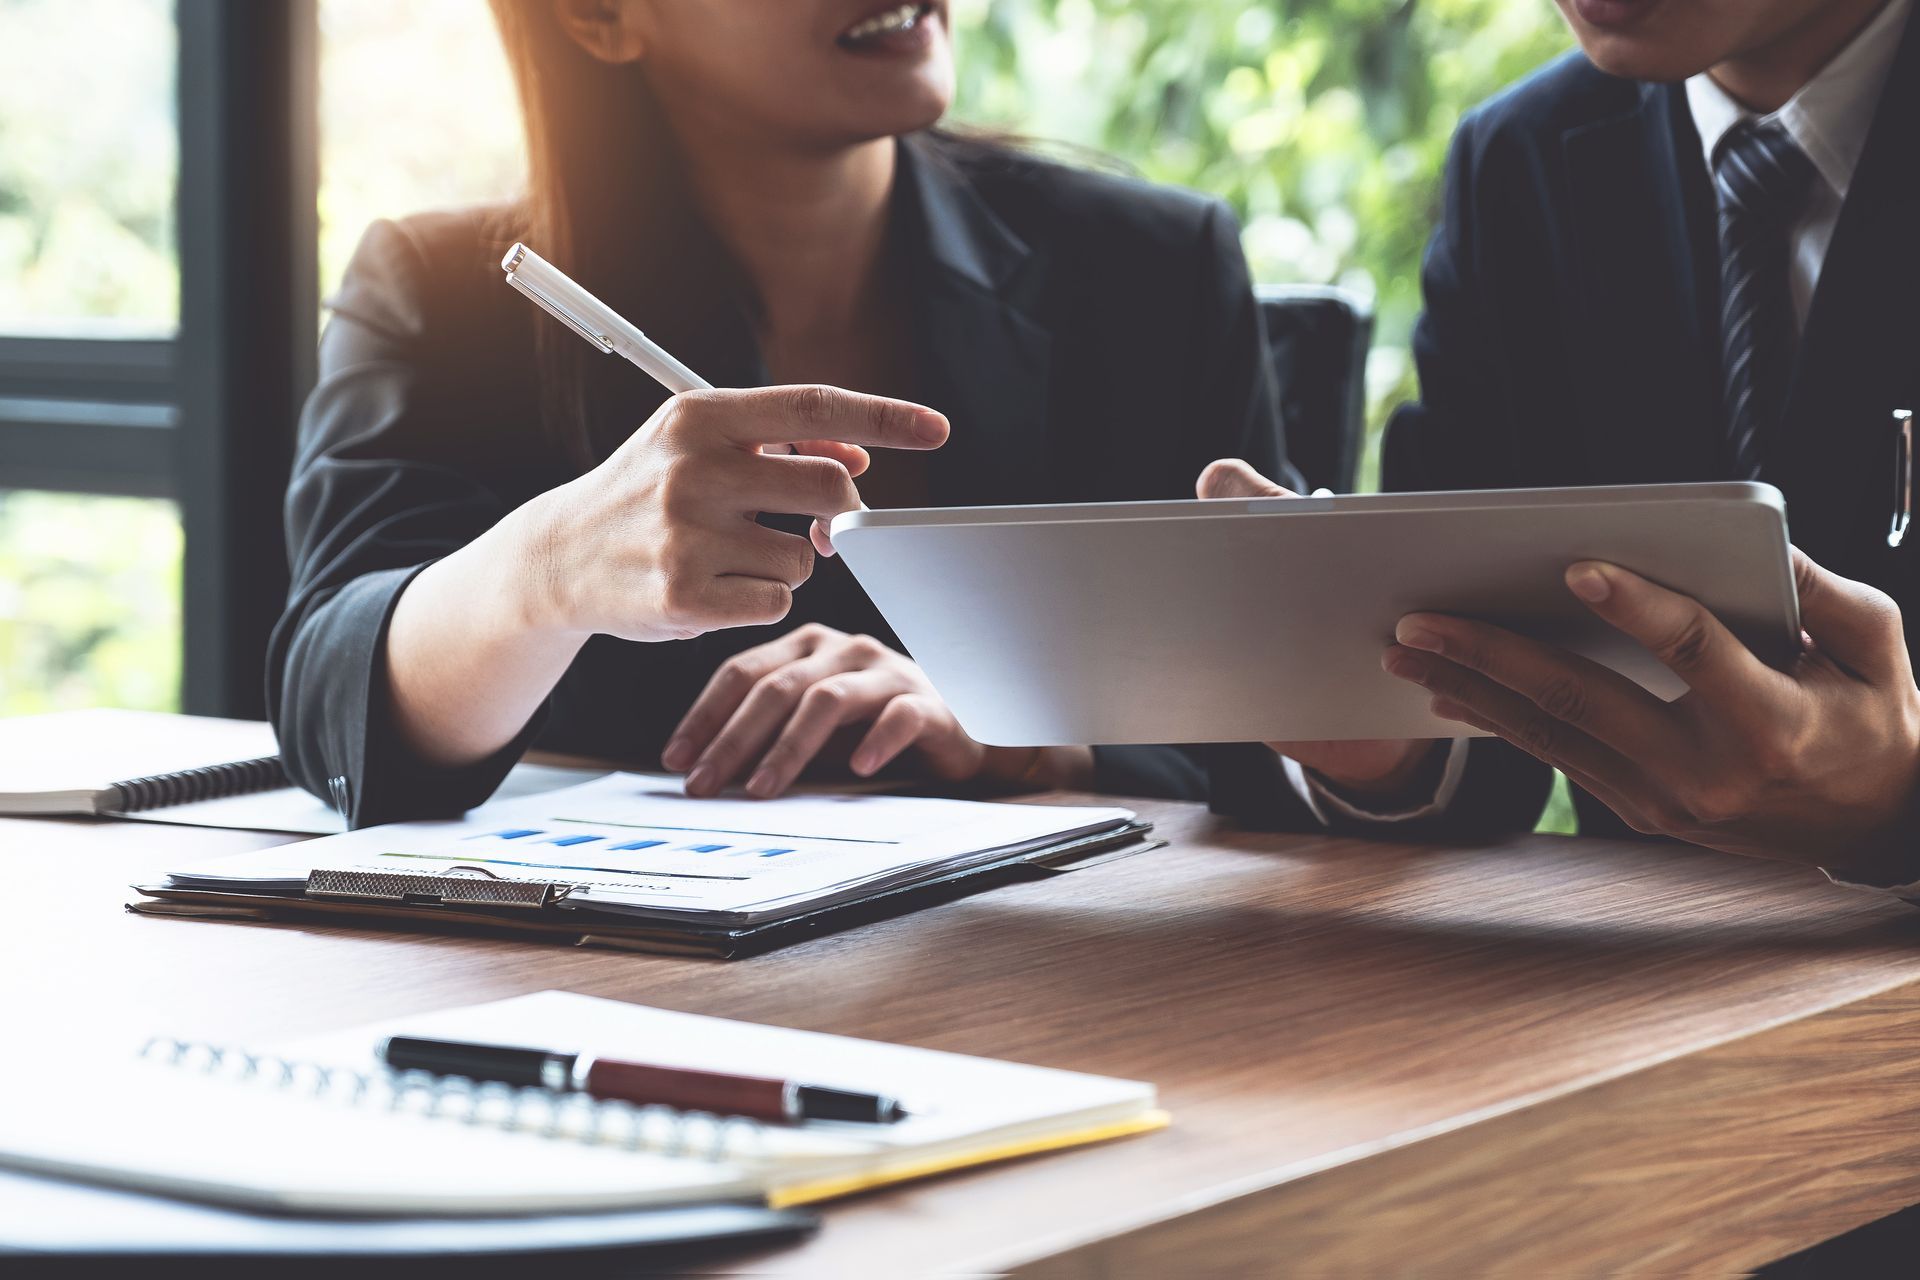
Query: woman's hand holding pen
point(662, 541)
point(770, 711)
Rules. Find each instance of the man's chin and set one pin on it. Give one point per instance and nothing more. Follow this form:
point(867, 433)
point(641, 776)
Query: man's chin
point(1637, 58)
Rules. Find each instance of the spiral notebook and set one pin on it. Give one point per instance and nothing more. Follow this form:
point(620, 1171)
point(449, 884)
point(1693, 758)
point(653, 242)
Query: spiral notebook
point(123, 762)
point(205, 772)
point(319, 1127)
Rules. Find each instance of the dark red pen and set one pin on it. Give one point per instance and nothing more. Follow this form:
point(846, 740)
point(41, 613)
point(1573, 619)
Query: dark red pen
point(682, 1088)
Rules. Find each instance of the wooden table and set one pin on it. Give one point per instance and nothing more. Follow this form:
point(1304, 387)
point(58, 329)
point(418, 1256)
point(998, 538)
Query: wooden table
point(1549, 1056)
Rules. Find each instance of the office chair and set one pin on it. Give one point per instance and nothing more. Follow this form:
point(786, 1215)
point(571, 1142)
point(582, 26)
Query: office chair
point(1317, 340)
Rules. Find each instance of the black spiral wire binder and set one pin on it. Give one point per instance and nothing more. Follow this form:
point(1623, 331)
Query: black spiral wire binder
point(545, 1113)
point(215, 782)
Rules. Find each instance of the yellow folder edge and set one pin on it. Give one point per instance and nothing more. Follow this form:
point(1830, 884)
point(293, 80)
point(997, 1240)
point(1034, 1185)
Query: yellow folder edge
point(847, 1184)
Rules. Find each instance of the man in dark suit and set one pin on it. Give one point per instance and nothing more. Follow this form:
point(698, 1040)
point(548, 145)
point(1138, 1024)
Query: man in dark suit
point(1689, 252)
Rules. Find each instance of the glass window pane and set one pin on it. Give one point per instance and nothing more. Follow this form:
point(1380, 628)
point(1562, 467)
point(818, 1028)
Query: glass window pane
point(435, 64)
point(89, 602)
point(88, 165)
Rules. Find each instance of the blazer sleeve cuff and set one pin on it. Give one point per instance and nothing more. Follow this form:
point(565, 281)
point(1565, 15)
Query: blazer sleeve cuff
point(385, 780)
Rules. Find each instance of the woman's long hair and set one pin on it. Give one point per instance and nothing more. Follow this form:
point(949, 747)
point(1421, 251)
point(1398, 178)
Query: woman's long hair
point(606, 202)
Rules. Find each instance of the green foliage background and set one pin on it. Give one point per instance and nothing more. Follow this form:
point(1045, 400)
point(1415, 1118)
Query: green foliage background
point(1324, 123)
point(89, 603)
point(87, 158)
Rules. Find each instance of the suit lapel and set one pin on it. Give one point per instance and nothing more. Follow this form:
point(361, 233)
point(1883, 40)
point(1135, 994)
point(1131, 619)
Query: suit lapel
point(983, 359)
point(1642, 316)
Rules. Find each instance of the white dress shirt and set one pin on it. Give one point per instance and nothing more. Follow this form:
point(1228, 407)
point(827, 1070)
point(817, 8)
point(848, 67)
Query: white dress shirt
point(1828, 119)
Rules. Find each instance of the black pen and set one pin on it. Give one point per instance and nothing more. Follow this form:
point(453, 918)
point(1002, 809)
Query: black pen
point(683, 1088)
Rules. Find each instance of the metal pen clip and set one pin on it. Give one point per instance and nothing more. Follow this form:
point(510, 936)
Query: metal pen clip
point(1902, 476)
point(560, 313)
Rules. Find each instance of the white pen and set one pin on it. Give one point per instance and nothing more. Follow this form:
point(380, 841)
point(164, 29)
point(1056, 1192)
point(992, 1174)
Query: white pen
point(594, 320)
point(555, 293)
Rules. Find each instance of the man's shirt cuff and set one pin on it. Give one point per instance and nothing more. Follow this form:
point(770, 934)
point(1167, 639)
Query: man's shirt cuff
point(1325, 804)
point(1908, 893)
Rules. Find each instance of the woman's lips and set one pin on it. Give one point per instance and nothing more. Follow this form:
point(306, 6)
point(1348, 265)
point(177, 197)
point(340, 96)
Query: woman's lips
point(1612, 15)
point(903, 28)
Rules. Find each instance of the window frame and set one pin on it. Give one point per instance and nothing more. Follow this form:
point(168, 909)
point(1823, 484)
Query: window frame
point(207, 417)
point(88, 415)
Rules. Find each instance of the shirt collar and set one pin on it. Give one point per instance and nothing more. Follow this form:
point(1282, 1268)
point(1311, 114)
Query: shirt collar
point(1830, 116)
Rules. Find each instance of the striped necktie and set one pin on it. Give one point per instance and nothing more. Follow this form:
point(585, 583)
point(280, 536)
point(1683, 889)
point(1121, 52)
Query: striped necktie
point(1760, 178)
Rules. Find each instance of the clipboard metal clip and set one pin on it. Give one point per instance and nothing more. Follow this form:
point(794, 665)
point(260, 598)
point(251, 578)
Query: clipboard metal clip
point(461, 886)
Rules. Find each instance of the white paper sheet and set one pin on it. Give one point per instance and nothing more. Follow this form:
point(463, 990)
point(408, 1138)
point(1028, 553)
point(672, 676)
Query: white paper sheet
point(294, 810)
point(635, 844)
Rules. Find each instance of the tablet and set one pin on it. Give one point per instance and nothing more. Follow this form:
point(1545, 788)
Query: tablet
point(1236, 620)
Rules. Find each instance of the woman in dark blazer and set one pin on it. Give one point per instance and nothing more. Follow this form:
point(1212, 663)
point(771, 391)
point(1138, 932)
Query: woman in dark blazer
point(500, 539)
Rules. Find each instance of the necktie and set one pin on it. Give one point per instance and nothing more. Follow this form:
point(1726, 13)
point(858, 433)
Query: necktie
point(1760, 179)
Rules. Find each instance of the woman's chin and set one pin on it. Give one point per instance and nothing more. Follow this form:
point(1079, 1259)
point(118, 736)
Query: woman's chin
point(903, 109)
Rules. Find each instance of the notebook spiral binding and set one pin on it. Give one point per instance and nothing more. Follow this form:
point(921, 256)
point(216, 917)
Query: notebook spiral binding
point(546, 1113)
point(215, 782)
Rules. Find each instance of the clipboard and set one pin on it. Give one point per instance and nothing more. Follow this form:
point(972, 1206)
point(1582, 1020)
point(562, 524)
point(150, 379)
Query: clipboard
point(470, 899)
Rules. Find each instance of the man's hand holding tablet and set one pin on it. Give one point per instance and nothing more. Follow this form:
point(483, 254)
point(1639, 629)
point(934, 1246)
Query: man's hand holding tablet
point(1818, 763)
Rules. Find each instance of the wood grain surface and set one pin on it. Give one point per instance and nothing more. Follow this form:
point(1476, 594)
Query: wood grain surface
point(1548, 1056)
